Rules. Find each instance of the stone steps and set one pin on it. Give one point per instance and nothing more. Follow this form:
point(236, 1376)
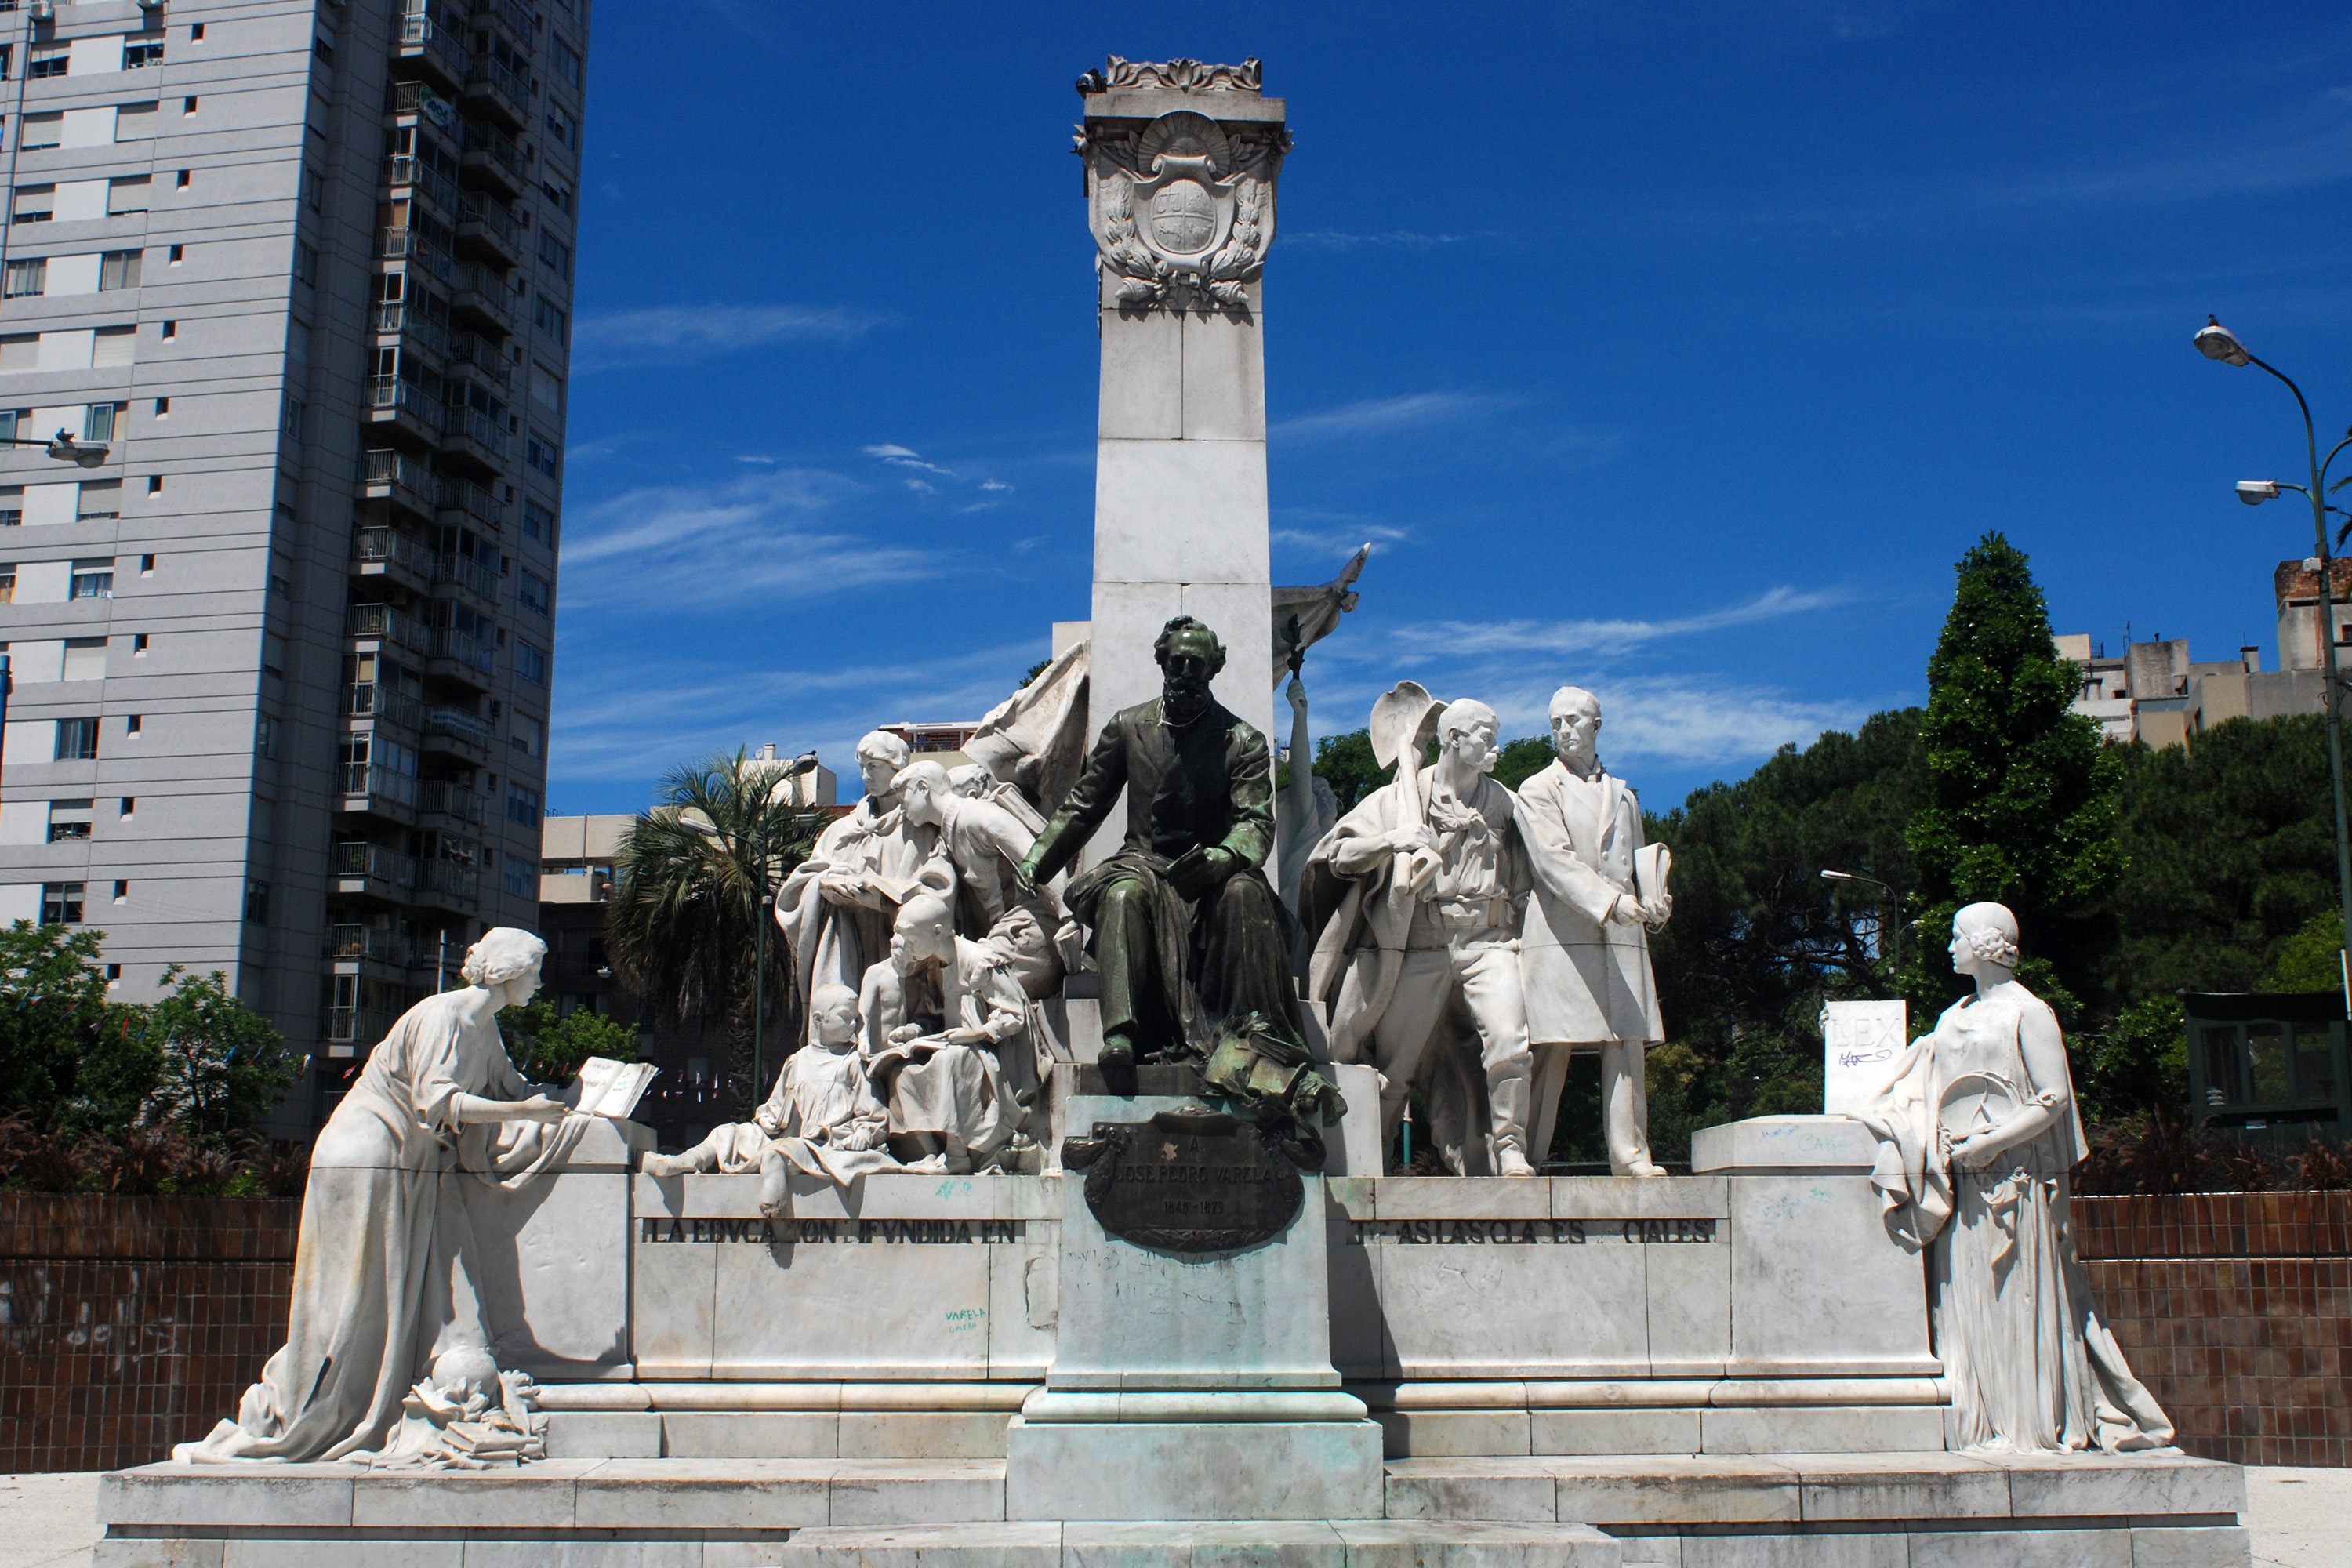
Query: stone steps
point(1950, 1510)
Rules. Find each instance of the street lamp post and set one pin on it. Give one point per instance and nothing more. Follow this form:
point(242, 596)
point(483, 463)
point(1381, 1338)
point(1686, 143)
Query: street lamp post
point(1895, 947)
point(2216, 341)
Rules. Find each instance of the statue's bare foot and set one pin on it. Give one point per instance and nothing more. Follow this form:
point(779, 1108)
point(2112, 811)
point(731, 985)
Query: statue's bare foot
point(665, 1166)
point(1641, 1170)
point(1511, 1162)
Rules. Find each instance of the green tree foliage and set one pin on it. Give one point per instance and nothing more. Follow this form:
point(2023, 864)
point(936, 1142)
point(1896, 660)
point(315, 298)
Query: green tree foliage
point(693, 885)
point(549, 1049)
point(1759, 940)
point(2312, 959)
point(54, 1045)
point(2139, 1062)
point(1523, 759)
point(2231, 844)
point(218, 1065)
point(1347, 763)
point(2021, 807)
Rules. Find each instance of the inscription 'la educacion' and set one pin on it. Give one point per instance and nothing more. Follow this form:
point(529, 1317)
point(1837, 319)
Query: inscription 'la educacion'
point(918, 1232)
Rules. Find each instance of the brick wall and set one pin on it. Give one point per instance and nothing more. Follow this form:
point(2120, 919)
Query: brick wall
point(2235, 1308)
point(130, 1324)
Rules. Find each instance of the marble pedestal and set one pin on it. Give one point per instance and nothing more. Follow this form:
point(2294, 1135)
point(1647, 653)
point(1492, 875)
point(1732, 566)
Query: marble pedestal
point(1191, 1386)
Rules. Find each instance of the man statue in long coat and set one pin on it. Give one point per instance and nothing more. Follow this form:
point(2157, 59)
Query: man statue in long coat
point(1584, 954)
point(1189, 937)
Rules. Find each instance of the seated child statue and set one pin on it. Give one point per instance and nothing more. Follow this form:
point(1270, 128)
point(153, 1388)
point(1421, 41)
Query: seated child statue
point(822, 1118)
point(948, 1041)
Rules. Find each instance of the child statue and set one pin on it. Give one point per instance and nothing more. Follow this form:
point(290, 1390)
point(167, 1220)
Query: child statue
point(948, 1040)
point(822, 1118)
point(1979, 1129)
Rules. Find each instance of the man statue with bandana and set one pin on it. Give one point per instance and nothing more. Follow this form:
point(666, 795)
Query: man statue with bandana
point(1192, 943)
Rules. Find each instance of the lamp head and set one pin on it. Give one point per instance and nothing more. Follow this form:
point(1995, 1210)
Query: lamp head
point(2215, 341)
point(1837, 876)
point(2253, 492)
point(66, 449)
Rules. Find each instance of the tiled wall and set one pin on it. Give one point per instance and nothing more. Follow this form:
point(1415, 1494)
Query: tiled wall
point(130, 1324)
point(2235, 1308)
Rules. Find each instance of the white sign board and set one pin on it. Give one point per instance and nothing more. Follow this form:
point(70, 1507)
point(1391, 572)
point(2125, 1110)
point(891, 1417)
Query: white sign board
point(1860, 1041)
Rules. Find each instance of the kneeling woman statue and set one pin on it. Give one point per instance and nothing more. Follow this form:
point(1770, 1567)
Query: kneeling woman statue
point(1979, 1129)
point(384, 1271)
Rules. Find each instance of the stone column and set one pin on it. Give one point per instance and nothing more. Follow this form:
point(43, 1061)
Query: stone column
point(1180, 164)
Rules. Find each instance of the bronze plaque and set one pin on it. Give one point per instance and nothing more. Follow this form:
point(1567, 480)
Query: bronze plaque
point(1187, 1181)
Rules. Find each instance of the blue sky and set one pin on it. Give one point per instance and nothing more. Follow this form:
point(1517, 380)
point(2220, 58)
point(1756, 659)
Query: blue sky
point(1677, 352)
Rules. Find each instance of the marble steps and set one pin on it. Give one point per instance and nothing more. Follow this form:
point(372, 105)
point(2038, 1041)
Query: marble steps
point(1241, 1543)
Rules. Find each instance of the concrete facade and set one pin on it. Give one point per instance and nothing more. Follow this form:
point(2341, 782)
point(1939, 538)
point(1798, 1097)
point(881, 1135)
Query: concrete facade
point(308, 599)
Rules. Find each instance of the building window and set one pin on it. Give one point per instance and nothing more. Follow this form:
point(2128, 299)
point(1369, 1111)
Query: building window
point(538, 522)
point(99, 499)
point(566, 60)
point(522, 877)
point(34, 204)
point(46, 62)
point(27, 277)
point(543, 316)
point(85, 658)
point(111, 346)
point(555, 254)
point(12, 508)
point(561, 127)
point(306, 262)
point(314, 187)
point(256, 901)
point(99, 421)
point(94, 579)
point(69, 819)
point(128, 194)
point(557, 196)
point(139, 57)
point(61, 903)
point(77, 740)
point(264, 738)
point(291, 423)
point(136, 121)
point(119, 270)
point(539, 453)
point(522, 805)
point(530, 663)
point(40, 132)
point(7, 582)
point(533, 591)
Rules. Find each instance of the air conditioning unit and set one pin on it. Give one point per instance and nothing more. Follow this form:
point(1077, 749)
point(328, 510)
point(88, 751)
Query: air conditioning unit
point(44, 10)
point(151, 4)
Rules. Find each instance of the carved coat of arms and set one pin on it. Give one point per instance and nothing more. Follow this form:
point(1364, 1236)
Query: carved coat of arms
point(1182, 205)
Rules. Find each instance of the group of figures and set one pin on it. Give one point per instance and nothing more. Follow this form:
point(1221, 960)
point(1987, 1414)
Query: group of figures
point(1451, 934)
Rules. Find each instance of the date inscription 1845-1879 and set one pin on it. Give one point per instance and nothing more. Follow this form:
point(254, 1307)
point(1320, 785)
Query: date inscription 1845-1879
point(1188, 1180)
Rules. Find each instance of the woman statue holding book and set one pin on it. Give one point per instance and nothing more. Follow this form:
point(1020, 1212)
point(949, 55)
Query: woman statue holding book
point(1977, 1129)
point(384, 1267)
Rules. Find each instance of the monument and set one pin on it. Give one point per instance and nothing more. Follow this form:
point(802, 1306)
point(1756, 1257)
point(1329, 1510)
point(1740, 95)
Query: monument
point(1039, 1253)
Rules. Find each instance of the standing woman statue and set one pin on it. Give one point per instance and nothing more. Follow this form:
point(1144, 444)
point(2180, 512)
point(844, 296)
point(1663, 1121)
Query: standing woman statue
point(1979, 1129)
point(384, 1268)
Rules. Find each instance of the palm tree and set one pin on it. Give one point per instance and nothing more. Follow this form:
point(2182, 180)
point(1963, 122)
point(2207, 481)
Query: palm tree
point(694, 883)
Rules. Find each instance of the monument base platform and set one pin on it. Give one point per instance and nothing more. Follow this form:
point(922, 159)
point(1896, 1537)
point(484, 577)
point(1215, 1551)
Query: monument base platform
point(1926, 1509)
point(1168, 1470)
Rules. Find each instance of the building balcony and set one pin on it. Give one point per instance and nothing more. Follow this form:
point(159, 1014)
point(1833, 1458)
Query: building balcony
point(459, 657)
point(463, 573)
point(474, 437)
point(376, 791)
point(393, 554)
point(479, 357)
point(346, 1030)
point(445, 885)
point(422, 179)
point(448, 799)
point(395, 477)
point(591, 886)
point(431, 50)
point(453, 731)
point(486, 228)
point(482, 300)
point(412, 245)
point(413, 328)
point(493, 88)
point(492, 162)
point(351, 942)
point(374, 700)
point(462, 503)
point(372, 871)
point(384, 623)
point(401, 408)
point(517, 18)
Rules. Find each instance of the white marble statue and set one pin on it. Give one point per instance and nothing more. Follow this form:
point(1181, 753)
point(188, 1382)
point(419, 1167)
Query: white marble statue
point(948, 1040)
point(985, 844)
point(823, 1117)
point(1978, 1128)
point(385, 1264)
point(1430, 922)
point(837, 906)
point(1584, 954)
point(1306, 810)
point(972, 781)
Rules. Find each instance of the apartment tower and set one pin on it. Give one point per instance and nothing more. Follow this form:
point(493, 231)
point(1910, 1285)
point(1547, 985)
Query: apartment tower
point(282, 654)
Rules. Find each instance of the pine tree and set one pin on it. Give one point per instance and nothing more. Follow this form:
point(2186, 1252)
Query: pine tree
point(2023, 793)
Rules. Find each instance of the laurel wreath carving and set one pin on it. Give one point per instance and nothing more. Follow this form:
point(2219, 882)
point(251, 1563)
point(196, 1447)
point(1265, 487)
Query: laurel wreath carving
point(1150, 279)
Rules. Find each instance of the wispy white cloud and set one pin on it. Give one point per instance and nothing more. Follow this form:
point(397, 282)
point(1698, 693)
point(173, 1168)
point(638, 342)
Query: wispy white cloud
point(683, 334)
point(1681, 723)
point(1343, 537)
point(758, 536)
point(1385, 415)
point(1603, 636)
